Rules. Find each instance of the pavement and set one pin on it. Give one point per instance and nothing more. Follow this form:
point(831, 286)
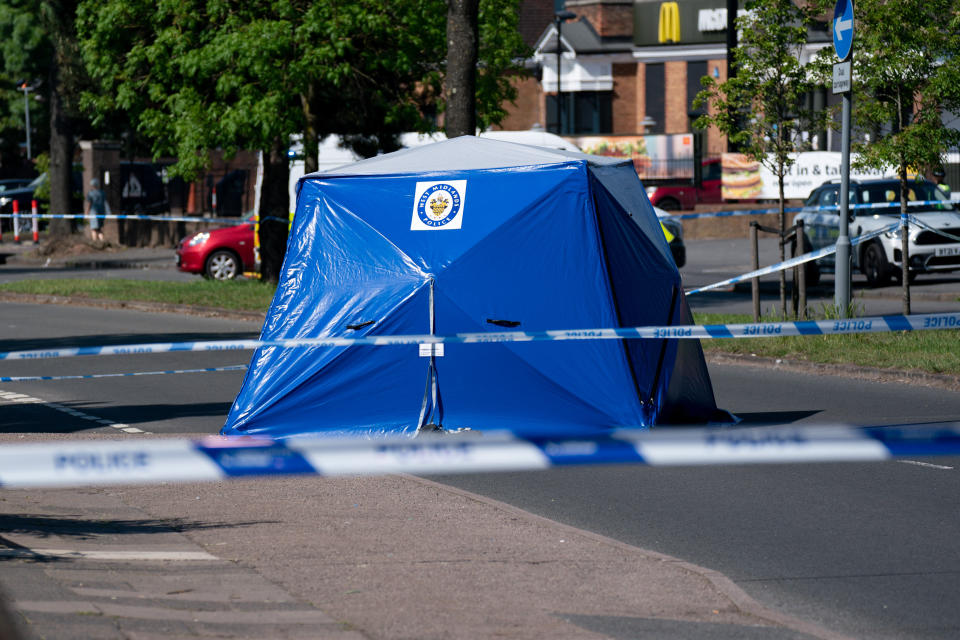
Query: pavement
point(387, 557)
point(384, 557)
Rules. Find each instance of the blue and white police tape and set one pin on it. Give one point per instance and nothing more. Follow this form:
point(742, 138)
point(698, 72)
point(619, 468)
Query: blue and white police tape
point(923, 225)
point(794, 262)
point(878, 324)
point(94, 376)
point(130, 216)
point(834, 207)
point(131, 462)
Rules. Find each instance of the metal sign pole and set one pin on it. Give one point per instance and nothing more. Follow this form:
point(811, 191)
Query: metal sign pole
point(842, 277)
point(843, 83)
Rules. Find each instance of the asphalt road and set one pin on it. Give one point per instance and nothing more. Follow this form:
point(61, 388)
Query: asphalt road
point(710, 261)
point(865, 549)
point(869, 550)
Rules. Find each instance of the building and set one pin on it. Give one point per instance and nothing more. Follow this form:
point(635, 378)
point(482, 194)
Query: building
point(632, 67)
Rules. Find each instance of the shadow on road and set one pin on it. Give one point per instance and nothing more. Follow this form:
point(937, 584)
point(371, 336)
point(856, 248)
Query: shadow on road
point(79, 528)
point(774, 417)
point(25, 418)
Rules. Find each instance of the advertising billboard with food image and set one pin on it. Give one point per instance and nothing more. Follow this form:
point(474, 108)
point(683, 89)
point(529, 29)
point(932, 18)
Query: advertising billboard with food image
point(740, 179)
point(655, 156)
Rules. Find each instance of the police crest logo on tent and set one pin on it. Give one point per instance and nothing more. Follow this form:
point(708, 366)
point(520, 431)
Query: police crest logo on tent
point(438, 205)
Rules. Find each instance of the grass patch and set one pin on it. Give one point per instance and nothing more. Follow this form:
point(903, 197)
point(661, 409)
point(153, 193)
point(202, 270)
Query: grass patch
point(930, 351)
point(242, 295)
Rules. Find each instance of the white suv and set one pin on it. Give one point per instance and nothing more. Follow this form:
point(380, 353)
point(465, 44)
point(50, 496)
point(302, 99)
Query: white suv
point(879, 259)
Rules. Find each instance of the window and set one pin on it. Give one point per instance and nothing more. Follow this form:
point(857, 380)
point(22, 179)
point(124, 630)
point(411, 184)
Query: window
point(829, 197)
point(583, 112)
point(695, 71)
point(654, 89)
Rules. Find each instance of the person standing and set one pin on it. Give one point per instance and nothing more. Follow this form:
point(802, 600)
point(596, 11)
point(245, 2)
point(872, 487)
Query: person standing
point(95, 205)
point(938, 177)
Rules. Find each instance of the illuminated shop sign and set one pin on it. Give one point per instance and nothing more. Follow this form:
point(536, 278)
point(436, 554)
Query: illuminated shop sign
point(683, 22)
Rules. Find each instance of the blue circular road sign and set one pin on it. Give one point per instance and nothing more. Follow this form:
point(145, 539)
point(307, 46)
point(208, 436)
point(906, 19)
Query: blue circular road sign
point(843, 28)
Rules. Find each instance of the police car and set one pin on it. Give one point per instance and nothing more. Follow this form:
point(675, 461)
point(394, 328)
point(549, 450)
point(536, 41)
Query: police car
point(880, 258)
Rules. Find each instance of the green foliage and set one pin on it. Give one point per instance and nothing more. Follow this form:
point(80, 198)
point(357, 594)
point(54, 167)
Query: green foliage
point(906, 73)
point(761, 109)
point(500, 48)
point(42, 192)
point(203, 74)
point(25, 51)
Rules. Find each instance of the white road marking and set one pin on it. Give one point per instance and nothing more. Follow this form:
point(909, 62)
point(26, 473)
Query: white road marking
point(21, 398)
point(928, 465)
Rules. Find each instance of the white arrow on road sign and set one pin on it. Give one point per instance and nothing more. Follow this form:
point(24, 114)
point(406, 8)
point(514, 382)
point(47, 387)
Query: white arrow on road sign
point(842, 27)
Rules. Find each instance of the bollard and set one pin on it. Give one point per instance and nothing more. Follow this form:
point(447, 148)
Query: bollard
point(755, 282)
point(802, 272)
point(213, 201)
point(35, 223)
point(16, 222)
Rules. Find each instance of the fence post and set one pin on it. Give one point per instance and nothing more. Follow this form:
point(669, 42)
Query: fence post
point(794, 277)
point(755, 282)
point(16, 222)
point(35, 223)
point(802, 273)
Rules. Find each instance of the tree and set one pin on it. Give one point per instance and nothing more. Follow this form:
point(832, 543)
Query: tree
point(205, 74)
point(761, 109)
point(906, 73)
point(39, 43)
point(461, 77)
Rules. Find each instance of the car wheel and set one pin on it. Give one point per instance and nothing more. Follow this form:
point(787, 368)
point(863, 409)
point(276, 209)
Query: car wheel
point(669, 204)
point(875, 265)
point(222, 265)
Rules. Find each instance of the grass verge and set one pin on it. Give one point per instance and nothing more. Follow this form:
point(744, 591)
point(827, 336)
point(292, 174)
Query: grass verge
point(929, 351)
point(240, 295)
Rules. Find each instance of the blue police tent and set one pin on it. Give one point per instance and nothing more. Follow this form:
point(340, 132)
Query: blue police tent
point(474, 235)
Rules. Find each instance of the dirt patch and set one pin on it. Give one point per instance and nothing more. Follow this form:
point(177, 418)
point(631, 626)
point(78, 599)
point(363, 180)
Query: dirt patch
point(74, 245)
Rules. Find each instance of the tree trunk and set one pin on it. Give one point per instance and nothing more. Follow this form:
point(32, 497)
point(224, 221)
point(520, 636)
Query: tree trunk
point(461, 112)
point(904, 241)
point(274, 211)
point(783, 255)
point(61, 155)
point(311, 150)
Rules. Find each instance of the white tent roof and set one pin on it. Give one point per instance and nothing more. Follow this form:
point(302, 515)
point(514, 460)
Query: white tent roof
point(462, 154)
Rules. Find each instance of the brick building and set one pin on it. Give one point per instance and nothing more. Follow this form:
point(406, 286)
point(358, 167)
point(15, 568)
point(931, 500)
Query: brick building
point(629, 67)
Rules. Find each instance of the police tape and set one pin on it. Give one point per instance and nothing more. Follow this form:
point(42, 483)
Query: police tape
point(923, 225)
point(85, 463)
point(130, 216)
point(794, 262)
point(877, 324)
point(834, 207)
point(93, 376)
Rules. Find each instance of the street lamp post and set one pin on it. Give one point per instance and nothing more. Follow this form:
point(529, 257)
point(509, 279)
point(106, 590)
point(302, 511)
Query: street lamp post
point(560, 17)
point(26, 88)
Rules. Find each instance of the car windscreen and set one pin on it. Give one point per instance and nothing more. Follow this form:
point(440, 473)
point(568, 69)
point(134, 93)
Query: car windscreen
point(888, 194)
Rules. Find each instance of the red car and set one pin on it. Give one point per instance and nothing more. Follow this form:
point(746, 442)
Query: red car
point(220, 254)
